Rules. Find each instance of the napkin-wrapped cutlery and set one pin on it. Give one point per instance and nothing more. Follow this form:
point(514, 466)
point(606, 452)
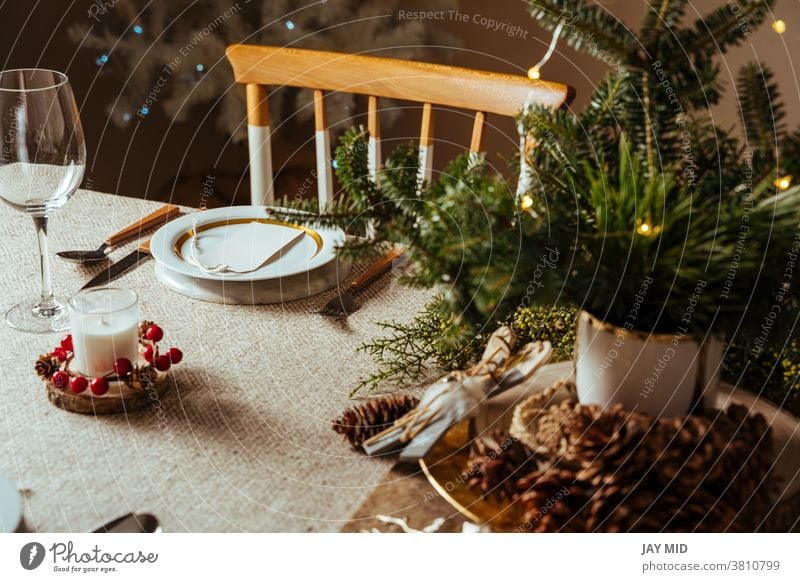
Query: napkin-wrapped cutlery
point(458, 396)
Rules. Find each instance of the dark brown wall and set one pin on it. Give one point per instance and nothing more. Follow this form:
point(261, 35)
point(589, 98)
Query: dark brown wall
point(126, 160)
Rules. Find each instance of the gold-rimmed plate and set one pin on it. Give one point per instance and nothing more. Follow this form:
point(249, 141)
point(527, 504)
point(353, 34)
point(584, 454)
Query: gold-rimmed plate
point(307, 266)
point(170, 246)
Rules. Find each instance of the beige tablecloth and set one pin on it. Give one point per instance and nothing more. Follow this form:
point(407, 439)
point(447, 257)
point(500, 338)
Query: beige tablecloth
point(245, 444)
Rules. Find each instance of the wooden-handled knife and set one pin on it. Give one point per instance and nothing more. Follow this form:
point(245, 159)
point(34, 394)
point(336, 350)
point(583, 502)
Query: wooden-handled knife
point(125, 264)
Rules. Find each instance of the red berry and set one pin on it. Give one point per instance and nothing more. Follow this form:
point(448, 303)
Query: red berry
point(66, 343)
point(123, 367)
point(59, 354)
point(148, 354)
point(78, 384)
point(60, 379)
point(175, 355)
point(99, 386)
point(154, 333)
point(163, 362)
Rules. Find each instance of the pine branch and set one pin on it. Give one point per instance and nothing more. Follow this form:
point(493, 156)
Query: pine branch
point(405, 355)
point(352, 168)
point(587, 29)
point(726, 26)
point(661, 16)
point(790, 155)
point(761, 110)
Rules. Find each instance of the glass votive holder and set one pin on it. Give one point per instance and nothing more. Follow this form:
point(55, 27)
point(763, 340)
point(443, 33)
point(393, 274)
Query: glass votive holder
point(105, 327)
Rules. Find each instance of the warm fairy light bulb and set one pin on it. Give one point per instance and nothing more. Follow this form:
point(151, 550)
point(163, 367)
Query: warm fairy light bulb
point(533, 73)
point(647, 229)
point(779, 26)
point(526, 202)
point(783, 182)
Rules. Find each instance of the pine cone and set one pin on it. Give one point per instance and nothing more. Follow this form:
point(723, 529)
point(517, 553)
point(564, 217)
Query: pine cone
point(46, 366)
point(495, 463)
point(143, 378)
point(608, 445)
point(552, 498)
point(359, 423)
point(618, 471)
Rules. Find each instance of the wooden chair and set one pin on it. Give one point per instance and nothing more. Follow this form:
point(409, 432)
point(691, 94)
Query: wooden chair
point(483, 92)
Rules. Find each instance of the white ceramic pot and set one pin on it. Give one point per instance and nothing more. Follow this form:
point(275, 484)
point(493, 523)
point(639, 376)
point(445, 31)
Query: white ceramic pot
point(659, 374)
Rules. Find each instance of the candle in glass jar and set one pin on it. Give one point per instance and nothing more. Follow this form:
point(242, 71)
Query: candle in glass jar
point(105, 327)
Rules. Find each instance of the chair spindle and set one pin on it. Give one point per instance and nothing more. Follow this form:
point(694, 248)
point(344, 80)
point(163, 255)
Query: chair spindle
point(323, 143)
point(426, 147)
point(259, 134)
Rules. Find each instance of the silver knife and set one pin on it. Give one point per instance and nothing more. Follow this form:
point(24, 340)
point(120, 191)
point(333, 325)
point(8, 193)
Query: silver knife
point(122, 266)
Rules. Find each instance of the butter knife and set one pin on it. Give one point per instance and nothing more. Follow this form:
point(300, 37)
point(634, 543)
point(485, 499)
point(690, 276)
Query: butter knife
point(122, 266)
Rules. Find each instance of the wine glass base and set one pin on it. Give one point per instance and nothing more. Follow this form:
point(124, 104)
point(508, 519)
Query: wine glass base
point(28, 317)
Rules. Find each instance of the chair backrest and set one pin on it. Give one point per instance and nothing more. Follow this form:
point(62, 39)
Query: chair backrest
point(322, 71)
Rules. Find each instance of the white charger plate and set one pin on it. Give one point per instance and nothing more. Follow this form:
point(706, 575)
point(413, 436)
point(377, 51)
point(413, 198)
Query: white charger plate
point(306, 268)
point(10, 507)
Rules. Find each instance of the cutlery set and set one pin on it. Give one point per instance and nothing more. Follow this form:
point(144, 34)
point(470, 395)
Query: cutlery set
point(135, 230)
point(341, 305)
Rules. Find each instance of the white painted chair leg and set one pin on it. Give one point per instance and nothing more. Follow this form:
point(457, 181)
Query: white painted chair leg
point(324, 168)
point(261, 187)
point(374, 163)
point(374, 157)
point(425, 167)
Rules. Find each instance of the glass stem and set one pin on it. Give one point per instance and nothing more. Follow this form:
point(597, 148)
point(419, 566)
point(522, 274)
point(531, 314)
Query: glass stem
point(47, 301)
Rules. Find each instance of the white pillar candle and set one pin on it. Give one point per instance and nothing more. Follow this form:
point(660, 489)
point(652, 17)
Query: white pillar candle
point(105, 327)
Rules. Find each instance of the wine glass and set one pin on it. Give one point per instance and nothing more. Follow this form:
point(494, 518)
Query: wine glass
point(42, 159)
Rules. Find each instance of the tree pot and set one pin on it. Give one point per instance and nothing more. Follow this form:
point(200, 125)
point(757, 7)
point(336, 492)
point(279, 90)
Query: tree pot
point(656, 373)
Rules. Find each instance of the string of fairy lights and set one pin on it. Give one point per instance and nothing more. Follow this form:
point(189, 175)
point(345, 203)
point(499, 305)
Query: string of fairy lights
point(783, 182)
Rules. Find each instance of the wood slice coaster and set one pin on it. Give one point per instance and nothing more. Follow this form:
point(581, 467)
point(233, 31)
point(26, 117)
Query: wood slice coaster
point(119, 398)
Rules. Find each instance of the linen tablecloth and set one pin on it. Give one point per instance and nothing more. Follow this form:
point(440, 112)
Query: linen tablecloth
point(244, 443)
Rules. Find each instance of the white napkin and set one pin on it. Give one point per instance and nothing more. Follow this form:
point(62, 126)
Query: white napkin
point(242, 249)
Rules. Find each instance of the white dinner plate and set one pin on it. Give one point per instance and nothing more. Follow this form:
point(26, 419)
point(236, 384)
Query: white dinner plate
point(306, 267)
point(10, 507)
point(170, 246)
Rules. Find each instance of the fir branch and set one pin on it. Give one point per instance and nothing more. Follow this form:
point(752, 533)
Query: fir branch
point(725, 26)
point(790, 155)
point(405, 354)
point(761, 110)
point(352, 168)
point(661, 16)
point(587, 29)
